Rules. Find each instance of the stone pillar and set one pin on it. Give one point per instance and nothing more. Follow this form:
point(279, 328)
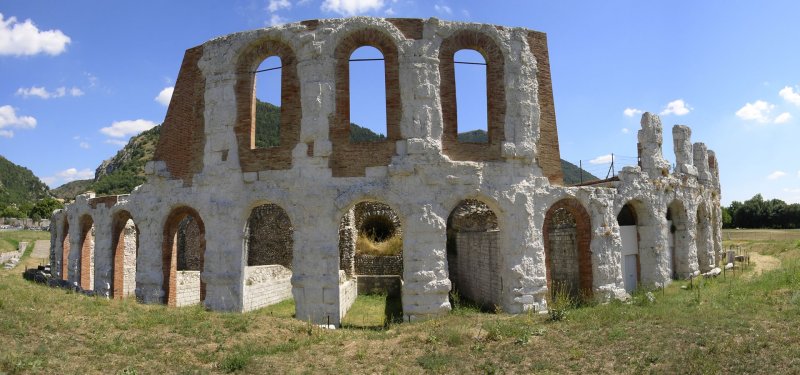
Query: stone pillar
point(681, 138)
point(713, 170)
point(315, 267)
point(650, 140)
point(103, 255)
point(149, 272)
point(425, 281)
point(223, 260)
point(701, 163)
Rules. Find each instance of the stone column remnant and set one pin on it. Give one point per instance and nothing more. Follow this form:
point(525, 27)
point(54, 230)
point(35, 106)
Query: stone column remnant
point(650, 140)
point(701, 162)
point(682, 141)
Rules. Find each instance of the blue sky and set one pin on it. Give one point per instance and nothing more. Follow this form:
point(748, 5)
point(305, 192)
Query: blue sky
point(78, 78)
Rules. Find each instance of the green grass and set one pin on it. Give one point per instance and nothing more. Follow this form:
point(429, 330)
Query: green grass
point(732, 325)
point(10, 239)
point(374, 311)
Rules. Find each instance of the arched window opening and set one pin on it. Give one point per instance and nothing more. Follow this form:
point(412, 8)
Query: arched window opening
point(471, 97)
point(125, 246)
point(65, 248)
point(629, 233)
point(367, 95)
point(269, 251)
point(473, 260)
point(86, 269)
point(567, 235)
point(371, 262)
point(268, 103)
point(183, 255)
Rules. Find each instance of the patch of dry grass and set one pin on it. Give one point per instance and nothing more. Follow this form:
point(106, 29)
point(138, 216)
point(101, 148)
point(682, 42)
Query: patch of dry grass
point(366, 245)
point(729, 325)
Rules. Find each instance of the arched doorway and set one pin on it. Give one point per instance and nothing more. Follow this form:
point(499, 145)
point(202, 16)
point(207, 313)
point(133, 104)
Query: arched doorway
point(567, 237)
point(678, 239)
point(125, 248)
point(473, 255)
point(183, 255)
point(269, 246)
point(86, 268)
point(65, 248)
point(628, 230)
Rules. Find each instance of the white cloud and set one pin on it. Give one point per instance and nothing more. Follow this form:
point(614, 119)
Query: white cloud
point(630, 112)
point(351, 7)
point(757, 111)
point(389, 12)
point(788, 94)
point(121, 129)
point(41, 92)
point(276, 5)
point(75, 174)
point(443, 9)
point(84, 145)
point(25, 39)
point(466, 13)
point(676, 107)
point(117, 142)
point(776, 175)
point(9, 119)
point(275, 20)
point(603, 159)
point(625, 130)
point(783, 118)
point(165, 95)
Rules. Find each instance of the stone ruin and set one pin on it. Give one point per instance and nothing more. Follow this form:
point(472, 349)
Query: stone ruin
point(236, 227)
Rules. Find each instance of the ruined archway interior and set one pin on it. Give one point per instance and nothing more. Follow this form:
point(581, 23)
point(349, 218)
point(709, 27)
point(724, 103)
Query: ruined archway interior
point(629, 234)
point(125, 249)
point(86, 260)
point(269, 248)
point(65, 248)
point(184, 252)
point(678, 240)
point(567, 235)
point(371, 255)
point(472, 255)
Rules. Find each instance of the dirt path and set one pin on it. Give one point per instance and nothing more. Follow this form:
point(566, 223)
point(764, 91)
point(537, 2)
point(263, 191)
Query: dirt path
point(762, 263)
point(41, 249)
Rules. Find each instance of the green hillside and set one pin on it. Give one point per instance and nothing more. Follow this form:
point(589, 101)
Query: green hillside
point(18, 185)
point(124, 171)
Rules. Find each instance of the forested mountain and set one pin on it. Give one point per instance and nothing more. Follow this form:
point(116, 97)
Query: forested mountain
point(18, 185)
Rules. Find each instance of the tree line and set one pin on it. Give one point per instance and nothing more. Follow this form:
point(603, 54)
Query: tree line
point(757, 212)
point(38, 211)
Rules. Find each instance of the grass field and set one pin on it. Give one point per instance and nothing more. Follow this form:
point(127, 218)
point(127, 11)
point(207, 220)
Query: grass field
point(10, 239)
point(731, 325)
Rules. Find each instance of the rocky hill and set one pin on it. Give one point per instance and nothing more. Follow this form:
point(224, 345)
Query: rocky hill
point(124, 171)
point(18, 185)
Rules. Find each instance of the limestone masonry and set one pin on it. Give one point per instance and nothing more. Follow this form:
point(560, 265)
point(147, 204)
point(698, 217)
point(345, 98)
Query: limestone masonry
point(235, 227)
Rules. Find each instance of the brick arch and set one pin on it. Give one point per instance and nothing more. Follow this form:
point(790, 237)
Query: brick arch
point(169, 251)
point(87, 252)
point(349, 159)
point(583, 238)
point(495, 96)
point(119, 242)
point(253, 159)
point(65, 248)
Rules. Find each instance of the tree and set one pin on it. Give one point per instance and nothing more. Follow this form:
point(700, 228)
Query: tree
point(44, 208)
point(727, 219)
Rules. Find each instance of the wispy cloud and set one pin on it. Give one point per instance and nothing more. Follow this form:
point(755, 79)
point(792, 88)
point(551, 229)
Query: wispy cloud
point(43, 93)
point(9, 119)
point(25, 39)
point(117, 142)
point(351, 7)
point(788, 94)
point(602, 159)
point(676, 107)
point(443, 9)
point(783, 118)
point(84, 145)
point(757, 111)
point(67, 175)
point(275, 20)
point(165, 96)
point(630, 112)
point(276, 5)
point(625, 130)
point(776, 175)
point(120, 129)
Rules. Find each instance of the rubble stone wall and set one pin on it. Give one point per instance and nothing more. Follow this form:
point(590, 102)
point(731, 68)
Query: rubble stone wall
point(266, 285)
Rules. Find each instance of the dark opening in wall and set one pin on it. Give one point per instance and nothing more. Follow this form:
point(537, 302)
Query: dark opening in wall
point(268, 103)
point(471, 103)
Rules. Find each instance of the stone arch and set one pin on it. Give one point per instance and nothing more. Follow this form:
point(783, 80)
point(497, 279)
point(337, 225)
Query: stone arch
point(252, 159)
point(629, 223)
point(473, 255)
point(86, 247)
point(679, 240)
point(495, 96)
point(65, 248)
point(268, 247)
point(705, 245)
point(125, 249)
point(567, 237)
point(183, 253)
point(371, 255)
point(350, 159)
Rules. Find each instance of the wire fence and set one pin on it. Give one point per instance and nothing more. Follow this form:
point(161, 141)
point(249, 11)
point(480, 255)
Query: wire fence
point(606, 166)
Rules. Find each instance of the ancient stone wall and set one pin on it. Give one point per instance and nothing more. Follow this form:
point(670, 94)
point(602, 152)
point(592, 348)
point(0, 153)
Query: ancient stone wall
point(206, 167)
point(379, 265)
point(266, 285)
point(187, 288)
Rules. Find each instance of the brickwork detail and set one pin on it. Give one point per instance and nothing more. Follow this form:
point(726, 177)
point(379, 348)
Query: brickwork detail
point(187, 288)
point(266, 285)
point(125, 245)
point(549, 156)
point(567, 238)
point(495, 96)
point(192, 241)
point(87, 253)
point(379, 265)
